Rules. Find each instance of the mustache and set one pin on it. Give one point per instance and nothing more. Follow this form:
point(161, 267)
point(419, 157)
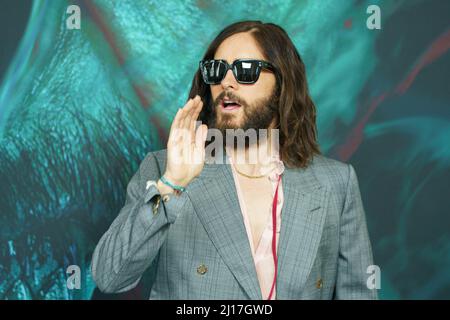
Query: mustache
point(231, 96)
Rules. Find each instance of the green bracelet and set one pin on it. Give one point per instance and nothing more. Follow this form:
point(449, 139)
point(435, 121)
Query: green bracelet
point(175, 187)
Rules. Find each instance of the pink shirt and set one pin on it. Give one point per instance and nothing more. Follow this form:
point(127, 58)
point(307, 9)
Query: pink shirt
point(262, 254)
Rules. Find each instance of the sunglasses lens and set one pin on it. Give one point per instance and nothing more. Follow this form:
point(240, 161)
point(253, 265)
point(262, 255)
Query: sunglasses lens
point(213, 71)
point(247, 71)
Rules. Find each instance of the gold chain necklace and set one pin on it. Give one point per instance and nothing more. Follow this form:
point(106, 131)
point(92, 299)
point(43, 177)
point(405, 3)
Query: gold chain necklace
point(248, 176)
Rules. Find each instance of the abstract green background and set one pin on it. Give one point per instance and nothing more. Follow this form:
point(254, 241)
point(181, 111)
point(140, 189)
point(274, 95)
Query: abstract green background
point(79, 109)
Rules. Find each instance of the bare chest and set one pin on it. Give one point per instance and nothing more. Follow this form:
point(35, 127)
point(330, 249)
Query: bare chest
point(257, 198)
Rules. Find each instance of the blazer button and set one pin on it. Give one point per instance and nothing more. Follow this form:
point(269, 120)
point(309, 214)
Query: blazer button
point(319, 284)
point(201, 269)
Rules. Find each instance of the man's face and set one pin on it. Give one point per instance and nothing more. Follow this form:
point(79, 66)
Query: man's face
point(257, 104)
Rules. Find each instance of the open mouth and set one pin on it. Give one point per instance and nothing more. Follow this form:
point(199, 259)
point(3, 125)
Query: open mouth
point(229, 105)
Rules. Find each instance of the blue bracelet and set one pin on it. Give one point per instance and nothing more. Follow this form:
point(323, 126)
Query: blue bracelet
point(179, 188)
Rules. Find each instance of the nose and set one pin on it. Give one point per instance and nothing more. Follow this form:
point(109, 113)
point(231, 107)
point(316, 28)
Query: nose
point(229, 81)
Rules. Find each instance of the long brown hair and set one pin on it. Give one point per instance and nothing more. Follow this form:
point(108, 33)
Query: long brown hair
point(296, 116)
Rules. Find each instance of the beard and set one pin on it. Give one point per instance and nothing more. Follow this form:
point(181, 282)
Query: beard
point(258, 115)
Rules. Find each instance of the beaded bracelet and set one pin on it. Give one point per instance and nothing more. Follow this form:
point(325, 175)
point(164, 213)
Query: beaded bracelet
point(175, 187)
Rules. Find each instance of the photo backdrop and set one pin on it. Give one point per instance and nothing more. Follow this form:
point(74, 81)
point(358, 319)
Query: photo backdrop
point(80, 108)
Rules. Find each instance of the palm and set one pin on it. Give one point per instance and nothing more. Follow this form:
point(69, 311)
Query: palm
point(186, 144)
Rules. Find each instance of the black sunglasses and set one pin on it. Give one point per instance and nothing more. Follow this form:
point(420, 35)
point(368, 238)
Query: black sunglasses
point(246, 71)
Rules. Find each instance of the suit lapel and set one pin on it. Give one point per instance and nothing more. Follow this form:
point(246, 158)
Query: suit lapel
point(214, 197)
point(302, 220)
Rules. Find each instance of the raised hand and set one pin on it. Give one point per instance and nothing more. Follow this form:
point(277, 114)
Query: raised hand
point(186, 144)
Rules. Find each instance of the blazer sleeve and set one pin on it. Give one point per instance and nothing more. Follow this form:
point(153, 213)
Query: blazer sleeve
point(134, 238)
point(355, 251)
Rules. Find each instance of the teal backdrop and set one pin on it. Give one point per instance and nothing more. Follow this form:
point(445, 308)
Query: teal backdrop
point(79, 109)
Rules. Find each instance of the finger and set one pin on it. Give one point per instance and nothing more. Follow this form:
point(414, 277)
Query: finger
point(185, 112)
point(197, 109)
point(188, 110)
point(185, 119)
point(176, 119)
point(187, 124)
point(196, 113)
point(174, 129)
point(200, 136)
point(199, 145)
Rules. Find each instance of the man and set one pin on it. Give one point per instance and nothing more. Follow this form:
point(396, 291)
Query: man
point(289, 226)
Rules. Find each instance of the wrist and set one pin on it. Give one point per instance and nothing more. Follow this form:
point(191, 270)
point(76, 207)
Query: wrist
point(172, 181)
point(177, 188)
point(163, 188)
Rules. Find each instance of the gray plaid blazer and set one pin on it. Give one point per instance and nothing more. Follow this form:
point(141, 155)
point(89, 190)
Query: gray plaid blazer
point(198, 246)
